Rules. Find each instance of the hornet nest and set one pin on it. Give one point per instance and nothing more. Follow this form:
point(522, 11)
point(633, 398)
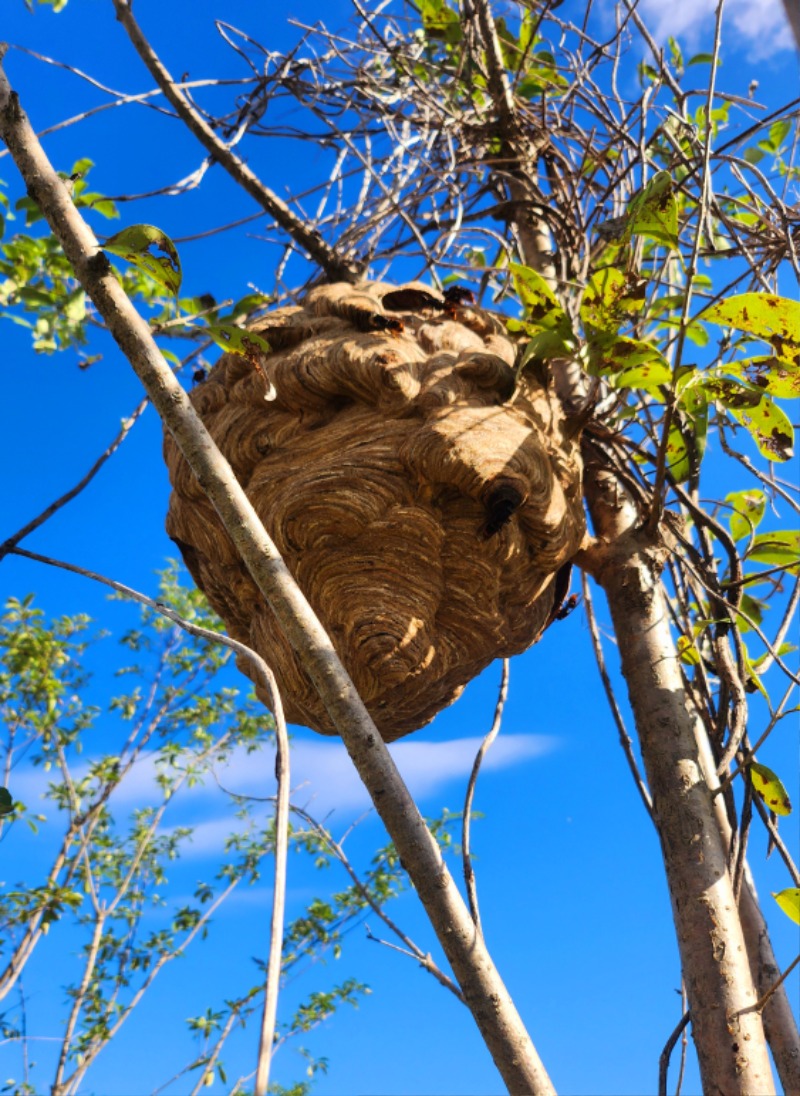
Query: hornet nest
point(427, 509)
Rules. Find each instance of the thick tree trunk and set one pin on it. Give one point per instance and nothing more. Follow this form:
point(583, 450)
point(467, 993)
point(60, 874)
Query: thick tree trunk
point(728, 1032)
point(780, 1024)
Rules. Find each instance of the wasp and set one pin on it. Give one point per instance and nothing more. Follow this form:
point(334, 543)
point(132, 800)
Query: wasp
point(413, 299)
point(501, 505)
point(567, 607)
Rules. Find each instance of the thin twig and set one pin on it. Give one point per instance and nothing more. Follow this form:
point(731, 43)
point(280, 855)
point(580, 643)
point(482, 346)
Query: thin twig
point(469, 874)
point(425, 960)
point(760, 1004)
point(334, 265)
point(273, 972)
point(55, 506)
point(625, 739)
point(666, 1053)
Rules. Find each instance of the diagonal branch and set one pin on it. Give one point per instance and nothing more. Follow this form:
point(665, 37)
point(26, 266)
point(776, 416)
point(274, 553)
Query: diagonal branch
point(485, 994)
point(336, 267)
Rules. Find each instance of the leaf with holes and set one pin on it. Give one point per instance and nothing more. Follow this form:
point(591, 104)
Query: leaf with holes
point(789, 901)
point(774, 319)
point(134, 244)
point(238, 340)
point(769, 373)
point(769, 786)
point(746, 513)
point(611, 298)
point(766, 423)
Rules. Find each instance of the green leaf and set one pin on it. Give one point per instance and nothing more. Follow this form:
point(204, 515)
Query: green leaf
point(653, 212)
point(534, 292)
point(753, 612)
point(611, 299)
point(789, 901)
point(778, 132)
point(701, 59)
point(754, 682)
point(439, 20)
point(752, 407)
point(545, 320)
point(6, 802)
point(678, 455)
point(769, 787)
point(779, 548)
point(753, 155)
point(747, 512)
point(774, 319)
point(238, 339)
point(134, 243)
point(629, 363)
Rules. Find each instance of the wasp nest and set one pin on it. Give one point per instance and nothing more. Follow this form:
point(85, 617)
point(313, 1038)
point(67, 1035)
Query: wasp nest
point(427, 510)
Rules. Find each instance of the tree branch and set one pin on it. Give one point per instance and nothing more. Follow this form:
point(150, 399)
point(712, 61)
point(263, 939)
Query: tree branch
point(335, 266)
point(494, 730)
point(731, 1048)
point(484, 992)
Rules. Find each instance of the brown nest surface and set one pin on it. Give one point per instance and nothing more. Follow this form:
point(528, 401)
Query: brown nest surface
point(427, 510)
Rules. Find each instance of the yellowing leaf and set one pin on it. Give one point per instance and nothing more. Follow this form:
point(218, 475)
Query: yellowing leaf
point(611, 297)
point(687, 651)
point(789, 901)
point(767, 424)
point(769, 373)
point(774, 319)
point(134, 245)
point(747, 512)
point(769, 787)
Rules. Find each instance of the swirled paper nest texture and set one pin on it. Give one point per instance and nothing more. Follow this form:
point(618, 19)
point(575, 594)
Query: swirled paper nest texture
point(423, 505)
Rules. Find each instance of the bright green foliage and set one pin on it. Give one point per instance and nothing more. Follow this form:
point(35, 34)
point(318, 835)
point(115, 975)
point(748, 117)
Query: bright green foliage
point(38, 289)
point(439, 20)
point(769, 787)
point(174, 715)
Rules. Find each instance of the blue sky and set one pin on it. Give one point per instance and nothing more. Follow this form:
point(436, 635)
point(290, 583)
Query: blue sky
point(573, 900)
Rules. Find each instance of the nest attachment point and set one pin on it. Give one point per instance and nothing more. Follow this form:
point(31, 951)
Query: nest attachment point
point(425, 508)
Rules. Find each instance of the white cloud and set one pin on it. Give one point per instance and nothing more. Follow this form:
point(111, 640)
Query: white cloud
point(323, 778)
point(761, 25)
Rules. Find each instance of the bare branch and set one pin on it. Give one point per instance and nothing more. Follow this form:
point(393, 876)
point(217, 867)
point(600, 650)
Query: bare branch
point(494, 730)
point(485, 993)
point(335, 266)
point(55, 506)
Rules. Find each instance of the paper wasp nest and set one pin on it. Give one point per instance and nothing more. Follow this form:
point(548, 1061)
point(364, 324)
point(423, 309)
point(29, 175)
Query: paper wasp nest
point(424, 507)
